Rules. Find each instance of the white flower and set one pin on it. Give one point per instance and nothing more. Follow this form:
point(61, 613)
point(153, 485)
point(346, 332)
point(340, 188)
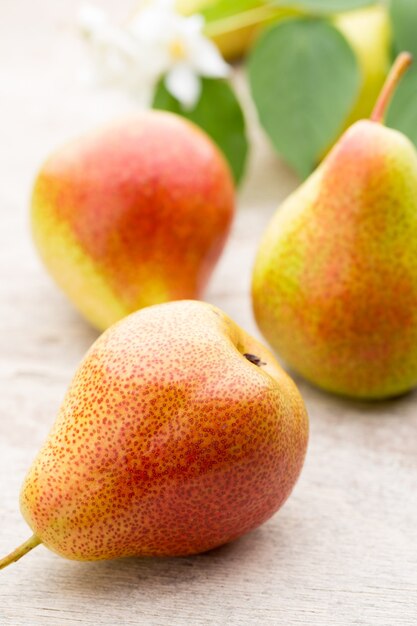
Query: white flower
point(117, 58)
point(156, 42)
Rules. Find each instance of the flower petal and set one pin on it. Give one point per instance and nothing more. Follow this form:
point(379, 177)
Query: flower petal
point(184, 84)
point(207, 60)
point(90, 18)
point(193, 25)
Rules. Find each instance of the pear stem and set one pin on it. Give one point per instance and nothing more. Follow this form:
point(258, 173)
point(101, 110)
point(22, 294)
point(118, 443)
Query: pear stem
point(23, 549)
point(401, 64)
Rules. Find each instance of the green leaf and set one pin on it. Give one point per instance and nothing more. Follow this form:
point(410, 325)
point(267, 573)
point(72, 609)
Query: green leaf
point(325, 6)
point(219, 113)
point(402, 114)
point(404, 25)
point(304, 79)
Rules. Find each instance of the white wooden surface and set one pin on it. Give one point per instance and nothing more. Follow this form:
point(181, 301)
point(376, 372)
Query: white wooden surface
point(342, 551)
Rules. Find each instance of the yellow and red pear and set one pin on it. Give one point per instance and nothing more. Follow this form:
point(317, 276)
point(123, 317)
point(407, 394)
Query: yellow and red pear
point(335, 279)
point(179, 433)
point(133, 214)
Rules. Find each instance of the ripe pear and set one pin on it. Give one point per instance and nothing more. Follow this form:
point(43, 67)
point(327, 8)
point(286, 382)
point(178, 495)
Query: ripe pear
point(335, 279)
point(133, 214)
point(179, 433)
point(233, 35)
point(368, 32)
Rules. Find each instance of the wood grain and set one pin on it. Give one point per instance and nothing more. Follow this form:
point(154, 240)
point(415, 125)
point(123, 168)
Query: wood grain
point(342, 551)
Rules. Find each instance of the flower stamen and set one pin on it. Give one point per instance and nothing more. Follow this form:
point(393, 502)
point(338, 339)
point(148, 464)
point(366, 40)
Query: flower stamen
point(177, 50)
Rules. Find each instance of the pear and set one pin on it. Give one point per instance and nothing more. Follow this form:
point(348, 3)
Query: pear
point(133, 214)
point(179, 433)
point(234, 34)
point(368, 31)
point(335, 278)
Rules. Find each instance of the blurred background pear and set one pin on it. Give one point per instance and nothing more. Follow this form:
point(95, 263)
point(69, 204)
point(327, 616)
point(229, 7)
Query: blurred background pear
point(369, 33)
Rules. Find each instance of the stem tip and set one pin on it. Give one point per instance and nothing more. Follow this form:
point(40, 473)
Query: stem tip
point(401, 64)
point(23, 549)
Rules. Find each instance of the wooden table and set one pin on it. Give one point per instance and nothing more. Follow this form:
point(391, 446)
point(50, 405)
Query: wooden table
point(342, 551)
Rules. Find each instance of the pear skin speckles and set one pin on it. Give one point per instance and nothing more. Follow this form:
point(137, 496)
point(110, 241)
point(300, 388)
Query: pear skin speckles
point(335, 280)
point(169, 441)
